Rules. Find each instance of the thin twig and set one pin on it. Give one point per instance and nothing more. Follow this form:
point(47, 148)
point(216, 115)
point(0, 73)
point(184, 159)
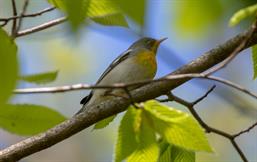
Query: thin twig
point(39, 13)
point(204, 96)
point(245, 131)
point(209, 129)
point(4, 22)
point(233, 85)
point(41, 27)
point(238, 149)
point(14, 9)
point(24, 9)
point(75, 87)
point(237, 50)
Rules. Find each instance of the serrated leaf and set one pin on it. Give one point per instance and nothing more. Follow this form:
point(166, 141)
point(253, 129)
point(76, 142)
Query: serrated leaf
point(148, 149)
point(163, 145)
point(9, 66)
point(105, 122)
point(172, 153)
point(135, 9)
point(177, 127)
point(40, 78)
point(242, 14)
point(101, 11)
point(126, 141)
point(28, 119)
point(181, 155)
point(254, 60)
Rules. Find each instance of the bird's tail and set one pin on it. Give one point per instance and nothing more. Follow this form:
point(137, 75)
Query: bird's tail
point(84, 101)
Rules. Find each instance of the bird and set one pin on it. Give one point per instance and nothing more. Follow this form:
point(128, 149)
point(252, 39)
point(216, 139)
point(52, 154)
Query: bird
point(137, 63)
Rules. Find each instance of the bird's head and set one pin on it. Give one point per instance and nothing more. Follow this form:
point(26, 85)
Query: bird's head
point(148, 43)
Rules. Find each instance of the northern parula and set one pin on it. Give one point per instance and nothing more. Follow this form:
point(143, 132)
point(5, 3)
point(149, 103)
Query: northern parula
point(137, 63)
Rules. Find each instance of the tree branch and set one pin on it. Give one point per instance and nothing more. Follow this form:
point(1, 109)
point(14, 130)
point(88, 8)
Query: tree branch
point(95, 113)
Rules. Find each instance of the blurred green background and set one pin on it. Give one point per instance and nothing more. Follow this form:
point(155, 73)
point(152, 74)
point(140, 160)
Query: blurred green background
point(192, 26)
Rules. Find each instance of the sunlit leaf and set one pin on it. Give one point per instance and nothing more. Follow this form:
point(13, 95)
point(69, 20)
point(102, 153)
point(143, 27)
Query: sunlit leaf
point(115, 19)
point(126, 142)
point(177, 127)
point(175, 154)
point(106, 13)
point(58, 3)
point(28, 119)
point(105, 122)
point(9, 66)
point(76, 11)
point(102, 8)
point(135, 9)
point(101, 11)
point(254, 59)
point(242, 14)
point(40, 78)
point(148, 149)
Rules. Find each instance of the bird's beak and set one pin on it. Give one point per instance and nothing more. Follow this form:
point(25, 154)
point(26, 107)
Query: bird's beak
point(161, 40)
point(157, 43)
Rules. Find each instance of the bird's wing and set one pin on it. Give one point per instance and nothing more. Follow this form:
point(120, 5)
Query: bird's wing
point(115, 62)
point(118, 60)
point(86, 99)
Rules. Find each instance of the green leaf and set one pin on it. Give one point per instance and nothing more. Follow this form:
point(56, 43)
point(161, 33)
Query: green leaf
point(175, 154)
point(148, 149)
point(57, 3)
point(76, 11)
point(28, 119)
point(40, 78)
point(177, 127)
point(9, 66)
point(242, 14)
point(135, 9)
point(181, 155)
point(101, 11)
point(126, 142)
point(115, 19)
point(105, 122)
point(106, 13)
point(254, 59)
